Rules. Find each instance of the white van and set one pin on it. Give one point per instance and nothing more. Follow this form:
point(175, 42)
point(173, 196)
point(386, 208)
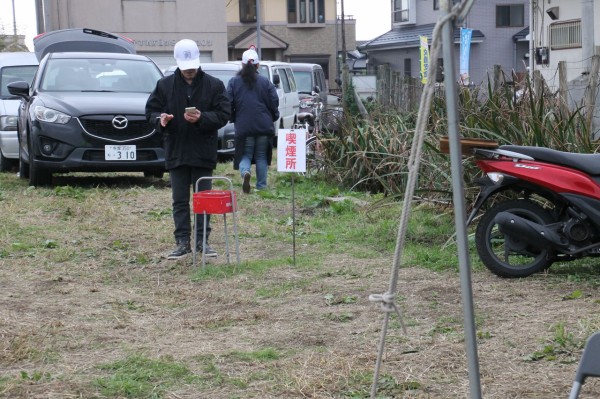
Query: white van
point(18, 66)
point(282, 76)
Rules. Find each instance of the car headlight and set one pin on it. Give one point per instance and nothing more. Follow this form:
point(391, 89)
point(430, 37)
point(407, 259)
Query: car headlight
point(49, 115)
point(8, 122)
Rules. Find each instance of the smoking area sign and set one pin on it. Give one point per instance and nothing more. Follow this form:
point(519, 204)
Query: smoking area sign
point(291, 150)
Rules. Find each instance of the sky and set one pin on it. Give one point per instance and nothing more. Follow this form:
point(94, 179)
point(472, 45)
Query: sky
point(372, 17)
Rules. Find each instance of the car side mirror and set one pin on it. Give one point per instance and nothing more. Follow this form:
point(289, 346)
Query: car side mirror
point(276, 80)
point(20, 89)
point(317, 89)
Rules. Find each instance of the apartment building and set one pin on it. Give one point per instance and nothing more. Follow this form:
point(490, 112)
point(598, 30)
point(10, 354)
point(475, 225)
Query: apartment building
point(154, 25)
point(500, 29)
point(290, 30)
point(564, 30)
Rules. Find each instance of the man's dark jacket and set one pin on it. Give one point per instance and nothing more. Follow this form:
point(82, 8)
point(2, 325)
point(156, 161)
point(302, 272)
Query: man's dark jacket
point(191, 144)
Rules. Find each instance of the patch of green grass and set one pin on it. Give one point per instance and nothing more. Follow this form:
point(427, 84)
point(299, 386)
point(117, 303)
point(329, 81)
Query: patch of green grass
point(70, 192)
point(447, 325)
point(210, 272)
point(274, 291)
point(339, 318)
point(332, 299)
point(359, 386)
point(212, 376)
point(261, 355)
point(141, 377)
point(562, 346)
point(159, 214)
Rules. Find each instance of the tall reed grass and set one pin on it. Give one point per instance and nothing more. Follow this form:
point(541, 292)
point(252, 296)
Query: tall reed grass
point(371, 155)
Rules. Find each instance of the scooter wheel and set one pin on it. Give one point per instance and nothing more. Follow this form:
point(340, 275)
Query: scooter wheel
point(510, 256)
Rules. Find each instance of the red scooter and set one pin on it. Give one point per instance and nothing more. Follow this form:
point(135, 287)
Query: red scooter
point(544, 207)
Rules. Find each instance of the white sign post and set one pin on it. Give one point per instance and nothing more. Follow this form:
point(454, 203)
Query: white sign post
point(291, 157)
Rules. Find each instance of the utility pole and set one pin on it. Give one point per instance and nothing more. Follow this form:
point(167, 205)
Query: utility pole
point(39, 16)
point(531, 38)
point(587, 33)
point(258, 46)
point(345, 71)
point(343, 35)
point(14, 20)
point(337, 47)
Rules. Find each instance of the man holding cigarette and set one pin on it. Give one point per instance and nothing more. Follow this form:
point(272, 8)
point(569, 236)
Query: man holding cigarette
point(188, 107)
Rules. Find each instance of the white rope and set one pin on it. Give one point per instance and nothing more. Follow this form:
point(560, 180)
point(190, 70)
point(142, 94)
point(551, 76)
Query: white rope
point(387, 299)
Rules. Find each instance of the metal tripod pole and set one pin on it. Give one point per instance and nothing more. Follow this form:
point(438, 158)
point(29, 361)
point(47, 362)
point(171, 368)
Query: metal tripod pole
point(459, 208)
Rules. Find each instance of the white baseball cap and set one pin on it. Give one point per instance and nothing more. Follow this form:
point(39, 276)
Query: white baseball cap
point(250, 55)
point(186, 54)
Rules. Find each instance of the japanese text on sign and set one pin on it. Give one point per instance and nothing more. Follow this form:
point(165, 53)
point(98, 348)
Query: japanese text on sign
point(291, 150)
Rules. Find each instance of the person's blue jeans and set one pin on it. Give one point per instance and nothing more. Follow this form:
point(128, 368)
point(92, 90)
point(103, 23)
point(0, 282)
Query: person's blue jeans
point(183, 181)
point(256, 148)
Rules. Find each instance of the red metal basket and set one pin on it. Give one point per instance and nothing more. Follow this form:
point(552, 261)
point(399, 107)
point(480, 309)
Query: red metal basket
point(214, 202)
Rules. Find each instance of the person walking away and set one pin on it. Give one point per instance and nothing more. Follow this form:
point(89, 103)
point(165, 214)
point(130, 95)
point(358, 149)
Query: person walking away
point(188, 107)
point(254, 108)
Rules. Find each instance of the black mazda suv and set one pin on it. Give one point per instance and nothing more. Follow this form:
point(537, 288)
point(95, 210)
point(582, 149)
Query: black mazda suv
point(84, 112)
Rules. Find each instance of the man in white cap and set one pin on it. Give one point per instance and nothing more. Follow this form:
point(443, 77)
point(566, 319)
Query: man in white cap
point(189, 107)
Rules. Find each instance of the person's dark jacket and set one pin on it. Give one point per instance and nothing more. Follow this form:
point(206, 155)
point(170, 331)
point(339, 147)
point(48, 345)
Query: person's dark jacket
point(186, 143)
point(254, 111)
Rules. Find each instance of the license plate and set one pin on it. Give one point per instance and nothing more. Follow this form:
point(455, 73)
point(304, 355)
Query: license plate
point(120, 153)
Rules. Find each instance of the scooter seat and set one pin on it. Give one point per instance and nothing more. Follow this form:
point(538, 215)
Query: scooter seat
point(588, 163)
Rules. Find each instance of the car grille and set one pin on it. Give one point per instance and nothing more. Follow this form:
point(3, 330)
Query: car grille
point(101, 127)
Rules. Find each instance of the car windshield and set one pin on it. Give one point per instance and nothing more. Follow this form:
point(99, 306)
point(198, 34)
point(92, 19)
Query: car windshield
point(10, 74)
point(303, 81)
point(225, 76)
point(96, 74)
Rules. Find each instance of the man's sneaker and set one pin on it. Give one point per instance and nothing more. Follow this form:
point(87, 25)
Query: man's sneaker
point(183, 248)
point(246, 184)
point(209, 252)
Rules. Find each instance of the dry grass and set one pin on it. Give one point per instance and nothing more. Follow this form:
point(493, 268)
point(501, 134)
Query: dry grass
point(104, 291)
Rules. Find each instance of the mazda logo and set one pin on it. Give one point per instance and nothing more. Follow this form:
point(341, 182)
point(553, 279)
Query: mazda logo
point(119, 122)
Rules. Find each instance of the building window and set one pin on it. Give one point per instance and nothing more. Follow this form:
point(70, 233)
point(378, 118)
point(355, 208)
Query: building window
point(510, 15)
point(306, 11)
point(401, 11)
point(407, 67)
point(292, 14)
point(565, 35)
point(321, 11)
point(247, 10)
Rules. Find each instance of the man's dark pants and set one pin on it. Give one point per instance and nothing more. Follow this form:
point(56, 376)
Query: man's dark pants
point(182, 178)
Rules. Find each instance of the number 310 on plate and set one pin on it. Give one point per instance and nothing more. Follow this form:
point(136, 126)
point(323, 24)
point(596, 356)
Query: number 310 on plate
point(120, 152)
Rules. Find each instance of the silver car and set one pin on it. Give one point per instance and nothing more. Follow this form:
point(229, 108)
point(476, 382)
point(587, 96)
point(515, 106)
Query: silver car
point(14, 67)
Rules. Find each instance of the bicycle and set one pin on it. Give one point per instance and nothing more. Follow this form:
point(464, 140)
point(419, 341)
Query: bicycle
point(309, 121)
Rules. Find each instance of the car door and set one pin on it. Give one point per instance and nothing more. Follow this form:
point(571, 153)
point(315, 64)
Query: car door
point(285, 104)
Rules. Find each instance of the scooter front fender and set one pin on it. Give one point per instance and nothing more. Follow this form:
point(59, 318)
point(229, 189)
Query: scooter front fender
point(489, 188)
